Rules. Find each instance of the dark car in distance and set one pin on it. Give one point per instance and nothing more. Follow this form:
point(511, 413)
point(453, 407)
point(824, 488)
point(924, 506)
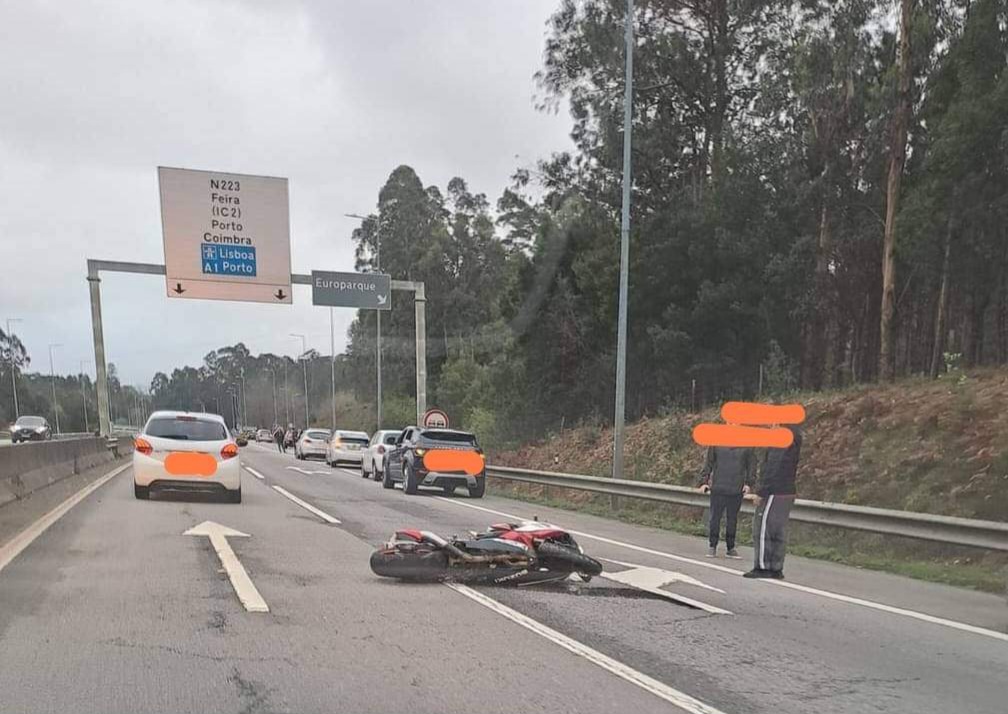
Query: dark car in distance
point(441, 458)
point(30, 428)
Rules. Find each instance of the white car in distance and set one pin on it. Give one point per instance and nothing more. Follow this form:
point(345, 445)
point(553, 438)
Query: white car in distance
point(373, 458)
point(186, 451)
point(312, 444)
point(346, 447)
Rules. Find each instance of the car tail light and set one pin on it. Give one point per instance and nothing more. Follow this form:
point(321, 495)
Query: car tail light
point(380, 449)
point(143, 446)
point(229, 451)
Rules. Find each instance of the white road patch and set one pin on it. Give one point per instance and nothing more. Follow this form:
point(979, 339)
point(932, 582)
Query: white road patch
point(924, 617)
point(307, 506)
point(623, 671)
point(255, 473)
point(652, 580)
point(240, 580)
point(25, 538)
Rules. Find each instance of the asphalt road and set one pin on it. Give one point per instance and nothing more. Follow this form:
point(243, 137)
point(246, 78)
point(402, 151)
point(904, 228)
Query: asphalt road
point(113, 609)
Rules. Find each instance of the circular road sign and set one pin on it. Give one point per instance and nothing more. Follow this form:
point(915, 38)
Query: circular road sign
point(435, 419)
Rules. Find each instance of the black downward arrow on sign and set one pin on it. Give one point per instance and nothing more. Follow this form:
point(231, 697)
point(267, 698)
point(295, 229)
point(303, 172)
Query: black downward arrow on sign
point(279, 295)
point(178, 289)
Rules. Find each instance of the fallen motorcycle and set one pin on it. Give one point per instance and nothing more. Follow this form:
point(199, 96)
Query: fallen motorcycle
point(524, 553)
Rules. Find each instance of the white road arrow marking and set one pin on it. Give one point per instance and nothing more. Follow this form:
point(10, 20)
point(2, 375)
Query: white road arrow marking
point(240, 581)
point(652, 580)
point(381, 298)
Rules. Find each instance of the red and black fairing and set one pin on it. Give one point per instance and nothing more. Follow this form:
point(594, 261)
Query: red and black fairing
point(521, 553)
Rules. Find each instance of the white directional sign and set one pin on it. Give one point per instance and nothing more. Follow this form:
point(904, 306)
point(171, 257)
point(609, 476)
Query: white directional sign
point(226, 236)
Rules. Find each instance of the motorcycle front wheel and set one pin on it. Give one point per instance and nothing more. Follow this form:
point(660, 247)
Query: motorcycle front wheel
point(564, 558)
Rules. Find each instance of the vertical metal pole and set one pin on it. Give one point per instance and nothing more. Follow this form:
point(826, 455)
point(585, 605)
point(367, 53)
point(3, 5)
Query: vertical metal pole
point(244, 399)
point(275, 415)
point(332, 365)
point(13, 368)
point(83, 394)
point(420, 304)
point(52, 381)
point(286, 393)
point(621, 329)
point(101, 369)
point(304, 363)
point(378, 418)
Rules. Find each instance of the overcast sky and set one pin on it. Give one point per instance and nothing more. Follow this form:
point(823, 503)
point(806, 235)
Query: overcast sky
point(332, 94)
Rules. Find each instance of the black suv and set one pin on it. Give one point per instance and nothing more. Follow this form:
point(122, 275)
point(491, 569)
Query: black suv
point(442, 458)
point(30, 428)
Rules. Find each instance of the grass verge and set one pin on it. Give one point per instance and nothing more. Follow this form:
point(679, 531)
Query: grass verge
point(961, 567)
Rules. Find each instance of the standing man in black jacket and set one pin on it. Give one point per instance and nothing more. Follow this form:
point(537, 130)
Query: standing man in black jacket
point(727, 475)
point(775, 495)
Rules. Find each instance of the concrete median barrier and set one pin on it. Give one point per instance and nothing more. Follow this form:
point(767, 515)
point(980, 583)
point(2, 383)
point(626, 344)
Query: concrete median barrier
point(26, 468)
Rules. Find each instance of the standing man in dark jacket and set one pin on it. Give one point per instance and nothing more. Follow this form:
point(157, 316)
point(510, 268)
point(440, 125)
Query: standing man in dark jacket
point(278, 437)
point(727, 475)
point(775, 495)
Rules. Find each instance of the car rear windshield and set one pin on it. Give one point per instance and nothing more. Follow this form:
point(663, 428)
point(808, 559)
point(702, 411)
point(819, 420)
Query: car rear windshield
point(316, 434)
point(362, 440)
point(186, 429)
point(453, 437)
point(30, 421)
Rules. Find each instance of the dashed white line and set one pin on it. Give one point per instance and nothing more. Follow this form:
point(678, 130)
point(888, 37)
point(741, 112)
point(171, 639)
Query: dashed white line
point(923, 617)
point(307, 506)
point(255, 473)
point(25, 538)
point(623, 671)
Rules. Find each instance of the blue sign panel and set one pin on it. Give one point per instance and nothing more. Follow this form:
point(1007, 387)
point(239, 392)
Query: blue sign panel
point(239, 261)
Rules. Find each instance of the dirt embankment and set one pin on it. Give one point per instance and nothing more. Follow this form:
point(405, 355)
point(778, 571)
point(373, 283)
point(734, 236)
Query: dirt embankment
point(934, 446)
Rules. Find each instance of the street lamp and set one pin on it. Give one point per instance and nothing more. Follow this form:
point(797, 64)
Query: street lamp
point(10, 343)
point(273, 372)
point(621, 327)
point(52, 380)
point(244, 399)
point(83, 394)
point(304, 363)
point(377, 322)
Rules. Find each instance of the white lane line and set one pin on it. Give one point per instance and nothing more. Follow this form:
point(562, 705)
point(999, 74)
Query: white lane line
point(913, 614)
point(623, 671)
point(255, 473)
point(25, 538)
point(246, 591)
point(299, 470)
point(307, 506)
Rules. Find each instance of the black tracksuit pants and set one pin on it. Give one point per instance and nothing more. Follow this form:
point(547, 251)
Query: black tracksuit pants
point(727, 505)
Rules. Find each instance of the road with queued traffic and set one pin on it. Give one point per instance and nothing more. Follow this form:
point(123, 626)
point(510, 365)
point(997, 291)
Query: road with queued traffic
point(114, 609)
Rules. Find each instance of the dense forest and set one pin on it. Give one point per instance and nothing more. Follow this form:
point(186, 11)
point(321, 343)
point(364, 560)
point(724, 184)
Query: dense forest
point(820, 191)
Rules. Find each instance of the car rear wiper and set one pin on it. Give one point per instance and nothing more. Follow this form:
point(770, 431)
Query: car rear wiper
point(176, 437)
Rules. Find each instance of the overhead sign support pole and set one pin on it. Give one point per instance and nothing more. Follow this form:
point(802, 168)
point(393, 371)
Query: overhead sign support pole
point(95, 267)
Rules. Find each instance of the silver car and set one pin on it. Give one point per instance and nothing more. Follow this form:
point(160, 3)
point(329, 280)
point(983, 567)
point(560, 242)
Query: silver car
point(312, 444)
point(346, 447)
point(373, 458)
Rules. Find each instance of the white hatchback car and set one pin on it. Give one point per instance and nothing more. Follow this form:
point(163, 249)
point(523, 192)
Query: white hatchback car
point(312, 444)
point(373, 459)
point(346, 447)
point(186, 451)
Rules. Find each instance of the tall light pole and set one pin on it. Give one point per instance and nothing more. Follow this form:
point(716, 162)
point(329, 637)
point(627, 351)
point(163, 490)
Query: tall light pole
point(304, 363)
point(52, 381)
point(332, 366)
point(621, 330)
point(273, 372)
point(13, 368)
point(244, 399)
point(377, 316)
point(83, 394)
point(286, 393)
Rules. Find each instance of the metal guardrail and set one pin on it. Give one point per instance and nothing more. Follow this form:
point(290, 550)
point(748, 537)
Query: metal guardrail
point(950, 530)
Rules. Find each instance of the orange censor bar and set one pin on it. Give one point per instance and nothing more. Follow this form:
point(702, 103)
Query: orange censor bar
point(761, 414)
point(182, 463)
point(446, 461)
point(748, 436)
